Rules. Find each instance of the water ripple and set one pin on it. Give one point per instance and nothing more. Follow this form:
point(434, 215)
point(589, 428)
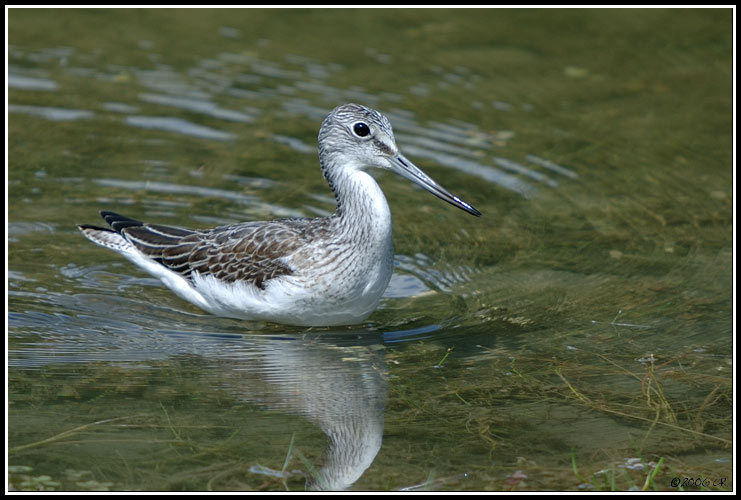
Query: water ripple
point(31, 83)
point(178, 125)
point(50, 113)
point(198, 106)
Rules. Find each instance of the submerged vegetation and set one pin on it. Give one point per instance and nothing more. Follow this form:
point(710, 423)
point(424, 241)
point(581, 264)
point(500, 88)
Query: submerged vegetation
point(503, 420)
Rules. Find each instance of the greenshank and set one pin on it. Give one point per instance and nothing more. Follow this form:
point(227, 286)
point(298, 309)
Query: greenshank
point(321, 271)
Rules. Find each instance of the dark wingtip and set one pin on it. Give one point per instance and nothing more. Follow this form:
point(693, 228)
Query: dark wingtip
point(119, 222)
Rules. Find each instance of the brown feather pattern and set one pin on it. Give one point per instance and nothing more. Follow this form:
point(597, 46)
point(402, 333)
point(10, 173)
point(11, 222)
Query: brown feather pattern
point(251, 252)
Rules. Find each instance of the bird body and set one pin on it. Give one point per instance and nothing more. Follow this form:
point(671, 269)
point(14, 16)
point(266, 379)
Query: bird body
point(321, 271)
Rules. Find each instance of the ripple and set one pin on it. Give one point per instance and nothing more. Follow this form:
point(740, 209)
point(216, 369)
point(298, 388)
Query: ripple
point(31, 83)
point(165, 187)
point(120, 107)
point(293, 143)
point(523, 170)
point(178, 125)
point(197, 106)
point(55, 114)
point(419, 333)
point(552, 166)
point(421, 268)
point(164, 79)
point(16, 229)
point(490, 174)
point(405, 285)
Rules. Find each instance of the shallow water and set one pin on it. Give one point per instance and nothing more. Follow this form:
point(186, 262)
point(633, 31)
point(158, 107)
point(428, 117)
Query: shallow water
point(578, 336)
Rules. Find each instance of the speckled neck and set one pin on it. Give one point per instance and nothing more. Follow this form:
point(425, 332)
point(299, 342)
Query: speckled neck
point(362, 212)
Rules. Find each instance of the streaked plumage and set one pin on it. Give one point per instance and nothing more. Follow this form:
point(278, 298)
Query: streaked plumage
point(312, 272)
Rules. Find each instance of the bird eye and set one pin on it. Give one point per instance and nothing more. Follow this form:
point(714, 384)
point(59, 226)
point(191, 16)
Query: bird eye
point(361, 129)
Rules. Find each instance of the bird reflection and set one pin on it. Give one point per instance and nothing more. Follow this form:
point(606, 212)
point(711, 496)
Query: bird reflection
point(337, 383)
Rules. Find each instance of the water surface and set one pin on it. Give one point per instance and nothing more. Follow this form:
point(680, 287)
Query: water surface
point(578, 336)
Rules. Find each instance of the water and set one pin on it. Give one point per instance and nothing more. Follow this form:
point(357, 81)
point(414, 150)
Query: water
point(578, 336)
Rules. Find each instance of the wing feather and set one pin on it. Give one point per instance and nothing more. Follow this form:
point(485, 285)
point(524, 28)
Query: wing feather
point(253, 251)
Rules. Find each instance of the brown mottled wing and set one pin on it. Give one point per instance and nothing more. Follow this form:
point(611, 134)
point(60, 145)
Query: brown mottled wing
point(245, 252)
point(242, 252)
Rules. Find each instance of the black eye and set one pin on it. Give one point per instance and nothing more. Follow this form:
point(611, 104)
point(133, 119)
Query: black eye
point(361, 129)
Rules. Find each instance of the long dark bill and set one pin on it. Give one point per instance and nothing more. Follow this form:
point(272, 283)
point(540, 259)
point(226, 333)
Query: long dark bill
point(407, 169)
